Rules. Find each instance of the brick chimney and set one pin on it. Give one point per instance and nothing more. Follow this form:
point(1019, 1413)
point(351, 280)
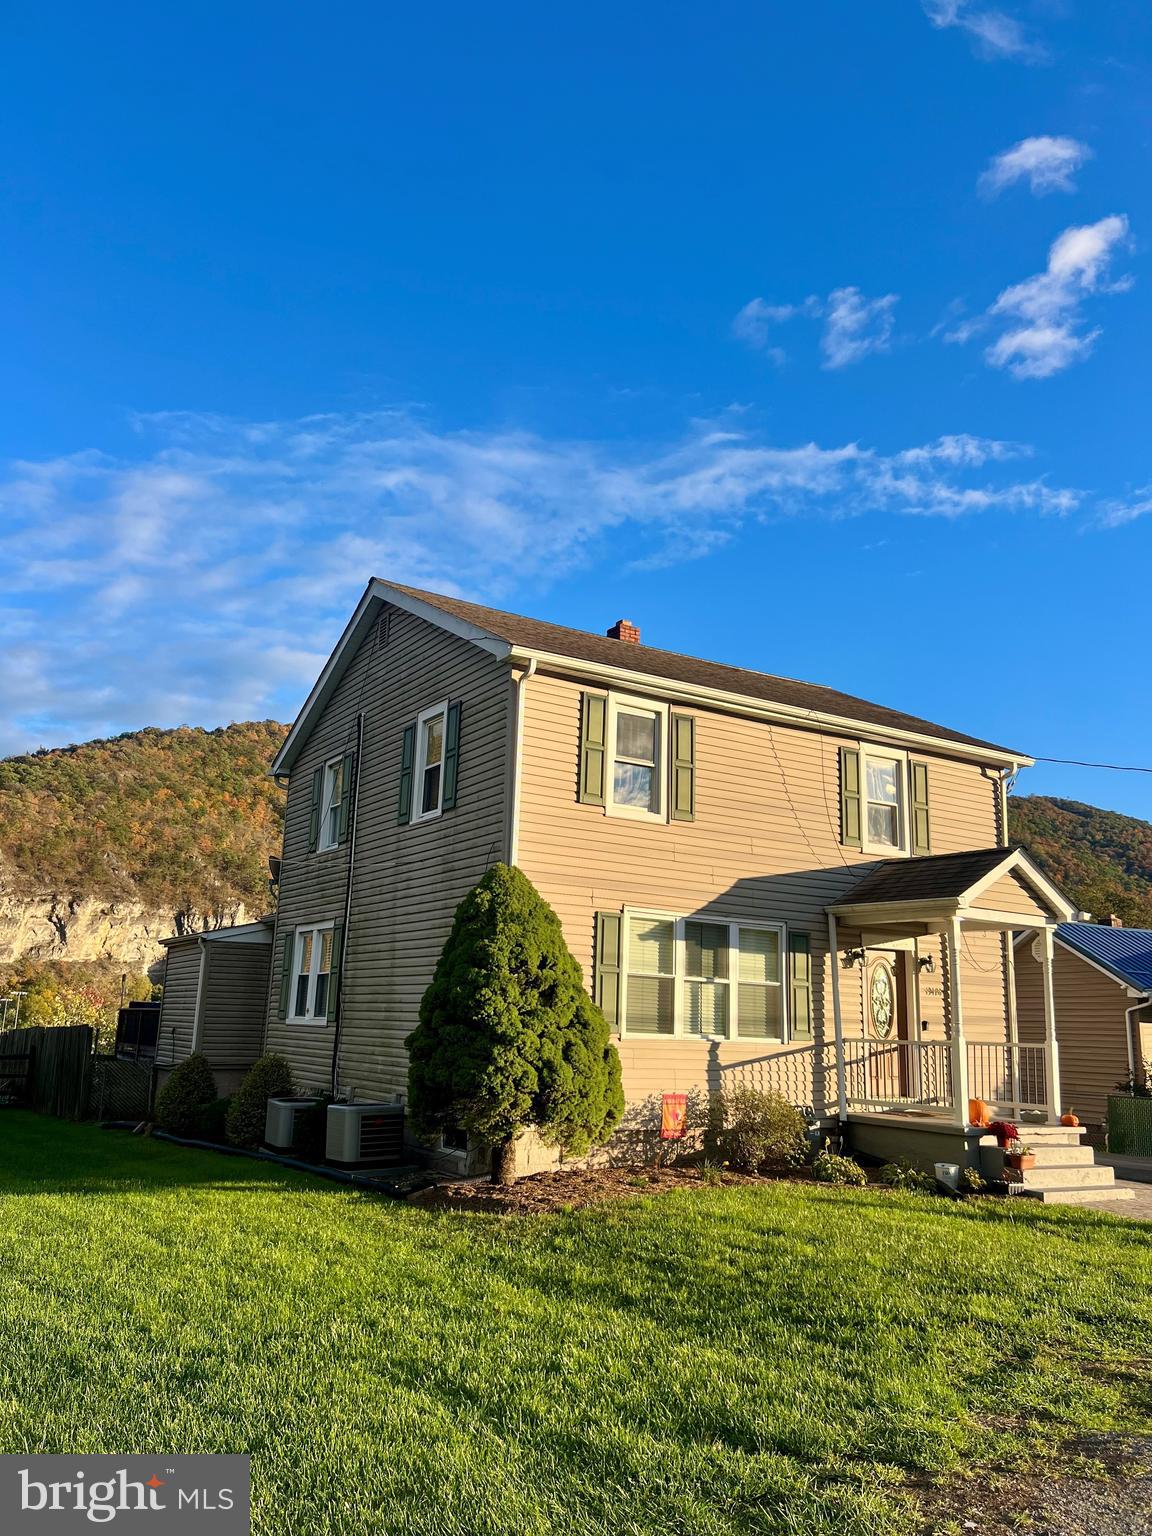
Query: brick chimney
point(625, 630)
point(1111, 921)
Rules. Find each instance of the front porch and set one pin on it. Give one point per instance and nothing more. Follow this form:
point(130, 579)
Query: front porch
point(923, 1012)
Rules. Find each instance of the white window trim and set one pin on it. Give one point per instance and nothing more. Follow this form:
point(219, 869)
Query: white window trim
point(900, 758)
point(680, 978)
point(307, 1018)
point(616, 702)
point(419, 764)
point(323, 844)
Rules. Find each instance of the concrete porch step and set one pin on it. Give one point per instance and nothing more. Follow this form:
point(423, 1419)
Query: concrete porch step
point(1049, 1156)
point(1084, 1195)
point(1088, 1176)
point(1050, 1135)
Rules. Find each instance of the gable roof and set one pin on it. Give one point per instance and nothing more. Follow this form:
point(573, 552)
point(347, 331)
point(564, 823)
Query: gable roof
point(579, 644)
point(512, 635)
point(1126, 952)
point(956, 879)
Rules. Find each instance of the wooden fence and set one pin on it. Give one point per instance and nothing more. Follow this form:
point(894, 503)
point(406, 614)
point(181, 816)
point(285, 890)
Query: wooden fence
point(60, 1067)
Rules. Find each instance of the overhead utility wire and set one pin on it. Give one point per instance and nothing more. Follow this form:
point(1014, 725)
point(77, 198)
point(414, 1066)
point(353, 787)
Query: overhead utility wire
point(1074, 762)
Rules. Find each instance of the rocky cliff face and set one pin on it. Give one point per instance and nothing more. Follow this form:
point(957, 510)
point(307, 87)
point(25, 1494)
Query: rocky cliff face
point(53, 927)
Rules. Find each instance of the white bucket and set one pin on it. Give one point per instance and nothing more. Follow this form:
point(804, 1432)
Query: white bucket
point(948, 1174)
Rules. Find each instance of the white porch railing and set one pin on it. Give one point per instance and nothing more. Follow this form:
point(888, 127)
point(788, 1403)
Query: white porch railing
point(880, 1074)
point(899, 1074)
point(1010, 1076)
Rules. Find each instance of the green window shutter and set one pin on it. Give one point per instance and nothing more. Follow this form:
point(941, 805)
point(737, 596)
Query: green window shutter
point(407, 758)
point(850, 824)
point(593, 748)
point(317, 797)
point(683, 729)
point(451, 757)
point(334, 972)
point(606, 971)
point(800, 984)
point(921, 828)
point(288, 954)
point(347, 777)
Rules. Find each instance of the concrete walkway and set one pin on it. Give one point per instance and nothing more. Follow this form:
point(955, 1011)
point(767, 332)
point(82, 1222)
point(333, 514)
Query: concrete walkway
point(1137, 1209)
point(1127, 1167)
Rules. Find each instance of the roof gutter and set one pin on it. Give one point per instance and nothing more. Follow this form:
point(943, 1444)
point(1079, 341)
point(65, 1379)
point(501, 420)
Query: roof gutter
point(753, 709)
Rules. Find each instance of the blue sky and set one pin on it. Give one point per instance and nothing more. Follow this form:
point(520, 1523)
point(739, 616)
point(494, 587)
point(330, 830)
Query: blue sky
point(811, 338)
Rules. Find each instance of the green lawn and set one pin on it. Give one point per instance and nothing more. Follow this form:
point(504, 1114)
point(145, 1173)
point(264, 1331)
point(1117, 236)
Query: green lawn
point(705, 1362)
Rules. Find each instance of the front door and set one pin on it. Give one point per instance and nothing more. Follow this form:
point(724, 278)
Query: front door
point(886, 1022)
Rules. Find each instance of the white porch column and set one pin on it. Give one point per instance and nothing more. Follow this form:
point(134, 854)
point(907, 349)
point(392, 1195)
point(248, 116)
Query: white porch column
point(837, 1018)
point(1051, 1050)
point(958, 1043)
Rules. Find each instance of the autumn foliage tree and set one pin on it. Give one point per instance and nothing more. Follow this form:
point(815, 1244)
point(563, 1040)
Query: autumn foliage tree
point(508, 1038)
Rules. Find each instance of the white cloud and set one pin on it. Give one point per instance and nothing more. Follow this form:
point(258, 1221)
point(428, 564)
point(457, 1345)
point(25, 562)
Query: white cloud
point(856, 326)
point(1114, 514)
point(1042, 328)
point(994, 34)
point(206, 579)
point(756, 323)
point(1047, 163)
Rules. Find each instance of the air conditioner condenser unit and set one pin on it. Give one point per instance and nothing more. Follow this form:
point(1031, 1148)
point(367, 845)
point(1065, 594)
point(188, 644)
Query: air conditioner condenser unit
point(365, 1135)
point(282, 1124)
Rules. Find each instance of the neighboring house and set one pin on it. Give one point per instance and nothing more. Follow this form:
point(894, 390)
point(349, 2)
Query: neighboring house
point(215, 1000)
point(765, 881)
point(1102, 977)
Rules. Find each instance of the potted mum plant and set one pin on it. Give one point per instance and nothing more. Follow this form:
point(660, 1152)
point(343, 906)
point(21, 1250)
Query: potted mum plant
point(1005, 1133)
point(1019, 1156)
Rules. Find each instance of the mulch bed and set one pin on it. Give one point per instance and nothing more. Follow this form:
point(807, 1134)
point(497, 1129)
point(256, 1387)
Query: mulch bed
point(567, 1189)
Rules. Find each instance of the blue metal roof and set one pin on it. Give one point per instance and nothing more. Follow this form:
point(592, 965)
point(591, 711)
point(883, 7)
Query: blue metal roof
point(1126, 952)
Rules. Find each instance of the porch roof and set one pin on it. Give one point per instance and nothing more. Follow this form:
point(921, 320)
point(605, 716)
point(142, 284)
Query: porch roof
point(929, 890)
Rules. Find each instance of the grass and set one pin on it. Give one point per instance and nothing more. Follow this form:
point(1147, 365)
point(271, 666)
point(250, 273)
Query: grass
point(701, 1363)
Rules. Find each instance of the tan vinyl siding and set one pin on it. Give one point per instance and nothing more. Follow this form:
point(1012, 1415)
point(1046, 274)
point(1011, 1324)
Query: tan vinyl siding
point(409, 879)
point(233, 1002)
point(1011, 894)
point(1090, 1026)
point(765, 844)
point(178, 1008)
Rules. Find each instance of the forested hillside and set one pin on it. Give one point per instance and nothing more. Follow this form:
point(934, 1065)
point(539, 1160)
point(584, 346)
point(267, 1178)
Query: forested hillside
point(1102, 859)
point(182, 819)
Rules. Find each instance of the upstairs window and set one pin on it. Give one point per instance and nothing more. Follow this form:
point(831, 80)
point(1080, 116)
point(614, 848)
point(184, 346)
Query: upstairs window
point(430, 734)
point(883, 779)
point(335, 788)
point(637, 733)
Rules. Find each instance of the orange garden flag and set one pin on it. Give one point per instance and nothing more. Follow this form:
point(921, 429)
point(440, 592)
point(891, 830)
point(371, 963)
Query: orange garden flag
point(673, 1114)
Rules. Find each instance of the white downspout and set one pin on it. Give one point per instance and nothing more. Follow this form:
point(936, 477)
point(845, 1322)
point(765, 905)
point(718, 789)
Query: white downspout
point(518, 762)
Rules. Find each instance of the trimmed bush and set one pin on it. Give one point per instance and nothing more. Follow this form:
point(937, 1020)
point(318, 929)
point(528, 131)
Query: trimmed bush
point(270, 1078)
point(186, 1096)
point(828, 1168)
point(508, 1038)
point(753, 1130)
point(905, 1175)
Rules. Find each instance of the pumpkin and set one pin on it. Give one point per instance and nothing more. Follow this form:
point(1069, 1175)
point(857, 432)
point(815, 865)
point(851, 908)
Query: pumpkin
point(1068, 1118)
point(979, 1113)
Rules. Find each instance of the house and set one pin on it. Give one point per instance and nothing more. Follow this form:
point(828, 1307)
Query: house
point(765, 881)
point(215, 1000)
point(1102, 981)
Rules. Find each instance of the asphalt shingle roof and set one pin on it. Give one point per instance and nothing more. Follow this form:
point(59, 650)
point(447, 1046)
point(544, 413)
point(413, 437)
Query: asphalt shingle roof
point(936, 877)
point(1127, 952)
point(536, 634)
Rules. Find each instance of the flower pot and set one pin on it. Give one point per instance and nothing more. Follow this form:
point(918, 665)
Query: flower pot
point(1021, 1160)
